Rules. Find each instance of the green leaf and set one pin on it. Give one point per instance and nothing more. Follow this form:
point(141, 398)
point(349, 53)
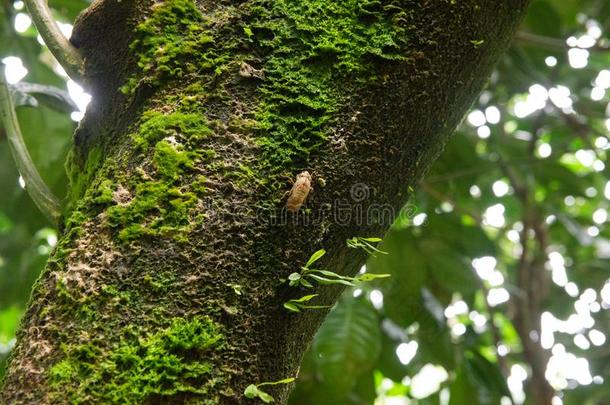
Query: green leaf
point(348, 343)
point(315, 306)
point(327, 281)
point(291, 307)
point(544, 19)
point(370, 277)
point(450, 269)
point(306, 283)
point(295, 279)
point(253, 392)
point(9, 320)
point(408, 267)
point(284, 381)
point(487, 377)
point(47, 134)
point(315, 257)
point(329, 273)
point(304, 298)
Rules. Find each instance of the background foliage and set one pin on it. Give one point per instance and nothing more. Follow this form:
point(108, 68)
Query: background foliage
point(509, 249)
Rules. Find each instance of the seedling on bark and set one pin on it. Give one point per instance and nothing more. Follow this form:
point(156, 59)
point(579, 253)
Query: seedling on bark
point(326, 277)
point(253, 391)
point(358, 242)
point(298, 304)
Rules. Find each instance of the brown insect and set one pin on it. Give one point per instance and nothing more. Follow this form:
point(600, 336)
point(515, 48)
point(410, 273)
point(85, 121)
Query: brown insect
point(299, 192)
point(246, 70)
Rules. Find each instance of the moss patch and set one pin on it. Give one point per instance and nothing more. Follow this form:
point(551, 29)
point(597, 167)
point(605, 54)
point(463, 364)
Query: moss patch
point(164, 206)
point(171, 159)
point(157, 209)
point(311, 46)
point(142, 368)
point(186, 128)
point(166, 41)
point(161, 199)
point(80, 177)
point(303, 48)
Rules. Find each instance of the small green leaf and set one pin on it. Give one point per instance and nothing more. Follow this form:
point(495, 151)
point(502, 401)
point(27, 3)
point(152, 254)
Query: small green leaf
point(329, 273)
point(328, 281)
point(477, 42)
point(291, 307)
point(294, 279)
point(284, 381)
point(252, 392)
point(373, 240)
point(306, 283)
point(304, 298)
point(315, 306)
point(369, 277)
point(315, 257)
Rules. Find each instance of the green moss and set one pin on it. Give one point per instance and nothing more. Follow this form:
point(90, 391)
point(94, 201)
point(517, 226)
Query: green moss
point(171, 361)
point(186, 128)
point(164, 206)
point(157, 209)
point(199, 184)
point(121, 297)
point(170, 159)
point(105, 192)
point(166, 41)
point(304, 48)
point(312, 46)
point(63, 371)
point(80, 176)
point(155, 285)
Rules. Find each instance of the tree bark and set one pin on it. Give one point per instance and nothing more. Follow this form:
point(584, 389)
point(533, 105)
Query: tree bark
point(168, 281)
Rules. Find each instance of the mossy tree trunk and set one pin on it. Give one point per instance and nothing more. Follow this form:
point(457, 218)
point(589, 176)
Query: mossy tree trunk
point(168, 281)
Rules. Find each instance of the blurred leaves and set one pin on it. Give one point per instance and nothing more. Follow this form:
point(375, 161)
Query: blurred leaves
point(44, 117)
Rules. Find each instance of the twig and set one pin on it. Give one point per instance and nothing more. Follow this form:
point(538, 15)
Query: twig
point(34, 185)
point(65, 53)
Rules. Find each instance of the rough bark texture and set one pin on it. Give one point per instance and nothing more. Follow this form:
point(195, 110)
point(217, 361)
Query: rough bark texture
point(168, 281)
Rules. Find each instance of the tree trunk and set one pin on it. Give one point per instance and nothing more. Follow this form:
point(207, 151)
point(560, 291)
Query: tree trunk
point(168, 282)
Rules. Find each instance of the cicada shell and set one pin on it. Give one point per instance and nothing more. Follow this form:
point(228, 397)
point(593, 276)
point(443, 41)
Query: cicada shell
point(299, 192)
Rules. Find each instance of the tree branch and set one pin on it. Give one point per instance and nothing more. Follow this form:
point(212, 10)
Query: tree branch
point(34, 185)
point(67, 55)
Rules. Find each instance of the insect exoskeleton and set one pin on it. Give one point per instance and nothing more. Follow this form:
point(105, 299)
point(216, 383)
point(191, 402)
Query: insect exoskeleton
point(299, 192)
